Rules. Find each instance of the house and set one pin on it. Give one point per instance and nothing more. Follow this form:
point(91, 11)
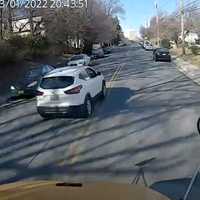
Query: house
point(191, 38)
point(21, 25)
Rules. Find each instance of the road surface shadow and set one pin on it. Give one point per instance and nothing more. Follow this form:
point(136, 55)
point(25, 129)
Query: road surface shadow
point(28, 141)
point(108, 108)
point(50, 170)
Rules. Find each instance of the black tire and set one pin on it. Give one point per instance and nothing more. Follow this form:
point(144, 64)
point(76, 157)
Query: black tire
point(156, 59)
point(86, 111)
point(198, 125)
point(44, 116)
point(103, 91)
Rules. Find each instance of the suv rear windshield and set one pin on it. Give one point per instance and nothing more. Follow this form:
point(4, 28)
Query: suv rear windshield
point(56, 82)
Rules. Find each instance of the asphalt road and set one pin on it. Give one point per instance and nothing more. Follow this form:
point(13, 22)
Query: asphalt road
point(150, 112)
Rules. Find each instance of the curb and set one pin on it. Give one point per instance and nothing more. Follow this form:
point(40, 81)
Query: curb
point(189, 70)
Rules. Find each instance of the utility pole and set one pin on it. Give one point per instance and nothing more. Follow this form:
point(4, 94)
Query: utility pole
point(157, 23)
point(10, 26)
point(146, 27)
point(182, 12)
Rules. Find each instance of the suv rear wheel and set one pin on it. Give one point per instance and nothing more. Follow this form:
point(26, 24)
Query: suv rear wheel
point(103, 91)
point(45, 116)
point(87, 108)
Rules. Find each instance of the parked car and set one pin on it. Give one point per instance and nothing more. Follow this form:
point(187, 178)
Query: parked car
point(141, 43)
point(107, 50)
point(97, 53)
point(122, 44)
point(147, 44)
point(148, 47)
point(27, 85)
point(79, 60)
point(161, 54)
point(69, 91)
point(155, 50)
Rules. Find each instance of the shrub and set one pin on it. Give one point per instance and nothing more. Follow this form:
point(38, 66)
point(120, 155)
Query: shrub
point(55, 50)
point(165, 43)
point(18, 42)
point(8, 53)
point(17, 48)
point(37, 42)
point(195, 49)
point(38, 46)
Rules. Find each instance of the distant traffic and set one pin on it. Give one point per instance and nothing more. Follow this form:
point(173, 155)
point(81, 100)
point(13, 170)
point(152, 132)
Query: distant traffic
point(159, 53)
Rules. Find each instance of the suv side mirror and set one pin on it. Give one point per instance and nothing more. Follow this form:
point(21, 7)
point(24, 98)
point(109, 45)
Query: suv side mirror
point(98, 73)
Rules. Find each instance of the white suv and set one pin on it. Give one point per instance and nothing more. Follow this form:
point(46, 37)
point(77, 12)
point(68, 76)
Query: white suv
point(69, 90)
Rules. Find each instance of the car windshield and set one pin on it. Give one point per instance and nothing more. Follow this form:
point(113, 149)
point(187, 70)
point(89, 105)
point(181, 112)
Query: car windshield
point(123, 102)
point(147, 43)
point(58, 82)
point(163, 50)
point(78, 57)
point(96, 50)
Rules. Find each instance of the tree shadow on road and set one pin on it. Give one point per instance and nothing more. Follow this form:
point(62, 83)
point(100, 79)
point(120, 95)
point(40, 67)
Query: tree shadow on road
point(121, 101)
point(107, 108)
point(52, 169)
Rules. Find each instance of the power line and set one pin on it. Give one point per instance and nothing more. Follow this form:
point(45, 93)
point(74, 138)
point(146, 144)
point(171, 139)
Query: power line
point(189, 10)
point(157, 22)
point(194, 9)
point(192, 3)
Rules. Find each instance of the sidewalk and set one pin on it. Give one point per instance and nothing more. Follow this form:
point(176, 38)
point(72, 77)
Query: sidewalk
point(191, 71)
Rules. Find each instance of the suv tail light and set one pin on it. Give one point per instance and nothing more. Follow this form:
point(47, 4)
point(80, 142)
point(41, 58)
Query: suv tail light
point(75, 90)
point(38, 93)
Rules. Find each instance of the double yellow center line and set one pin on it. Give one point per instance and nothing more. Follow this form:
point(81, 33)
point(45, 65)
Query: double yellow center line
point(113, 78)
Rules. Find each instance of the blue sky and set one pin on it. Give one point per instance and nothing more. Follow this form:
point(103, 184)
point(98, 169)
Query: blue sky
point(138, 11)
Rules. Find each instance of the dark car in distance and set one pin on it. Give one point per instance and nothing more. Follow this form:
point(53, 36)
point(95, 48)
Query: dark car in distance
point(97, 53)
point(107, 50)
point(161, 54)
point(27, 85)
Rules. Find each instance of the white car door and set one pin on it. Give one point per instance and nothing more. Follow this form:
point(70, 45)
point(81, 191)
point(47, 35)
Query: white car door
point(95, 81)
point(88, 82)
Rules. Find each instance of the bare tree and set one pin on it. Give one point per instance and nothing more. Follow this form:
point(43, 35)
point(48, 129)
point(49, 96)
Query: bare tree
point(112, 7)
point(81, 27)
point(169, 28)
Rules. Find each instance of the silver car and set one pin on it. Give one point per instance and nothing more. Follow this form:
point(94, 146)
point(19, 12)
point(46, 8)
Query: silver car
point(98, 53)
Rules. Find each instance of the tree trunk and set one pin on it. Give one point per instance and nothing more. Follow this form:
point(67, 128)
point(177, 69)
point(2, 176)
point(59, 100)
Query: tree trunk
point(1, 24)
point(10, 20)
point(31, 22)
